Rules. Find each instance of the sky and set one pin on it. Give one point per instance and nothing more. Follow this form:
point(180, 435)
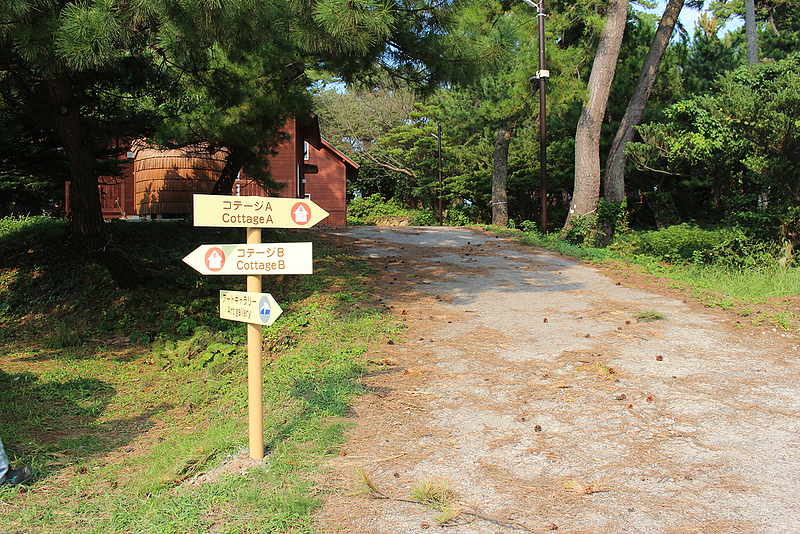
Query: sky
point(689, 16)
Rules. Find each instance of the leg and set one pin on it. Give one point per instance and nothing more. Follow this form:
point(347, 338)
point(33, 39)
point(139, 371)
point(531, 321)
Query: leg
point(12, 476)
point(3, 463)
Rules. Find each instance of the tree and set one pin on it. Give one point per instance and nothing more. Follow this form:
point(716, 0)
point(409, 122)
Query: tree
point(72, 67)
point(587, 136)
point(740, 145)
point(710, 56)
point(780, 36)
point(356, 119)
point(500, 173)
point(243, 71)
point(614, 189)
point(111, 69)
point(32, 168)
point(501, 98)
point(750, 31)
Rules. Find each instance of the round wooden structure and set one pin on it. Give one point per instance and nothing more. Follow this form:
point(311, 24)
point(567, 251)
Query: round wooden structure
point(166, 179)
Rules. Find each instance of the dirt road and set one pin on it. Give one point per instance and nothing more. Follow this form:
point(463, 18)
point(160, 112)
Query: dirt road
point(533, 387)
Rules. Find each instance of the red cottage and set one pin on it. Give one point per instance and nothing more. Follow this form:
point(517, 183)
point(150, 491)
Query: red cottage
point(160, 183)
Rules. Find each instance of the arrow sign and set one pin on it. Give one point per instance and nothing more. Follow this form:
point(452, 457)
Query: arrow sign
point(260, 258)
point(254, 308)
point(256, 212)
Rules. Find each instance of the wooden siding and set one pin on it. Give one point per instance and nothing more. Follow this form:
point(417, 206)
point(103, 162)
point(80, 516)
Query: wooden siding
point(162, 182)
point(167, 179)
point(327, 188)
point(116, 192)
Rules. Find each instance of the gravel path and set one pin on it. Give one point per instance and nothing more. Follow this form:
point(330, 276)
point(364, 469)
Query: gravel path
point(527, 383)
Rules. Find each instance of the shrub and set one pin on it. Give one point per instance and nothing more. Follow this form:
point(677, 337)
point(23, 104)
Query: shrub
point(582, 230)
point(687, 243)
point(614, 215)
point(363, 211)
point(425, 218)
point(460, 215)
point(676, 243)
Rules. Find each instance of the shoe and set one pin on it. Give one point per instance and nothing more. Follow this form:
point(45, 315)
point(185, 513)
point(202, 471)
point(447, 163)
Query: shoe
point(16, 477)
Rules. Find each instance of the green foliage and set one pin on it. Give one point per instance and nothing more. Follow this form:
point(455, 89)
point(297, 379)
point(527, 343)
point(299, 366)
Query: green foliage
point(612, 216)
point(783, 39)
point(62, 337)
point(356, 120)
point(372, 209)
point(393, 142)
point(676, 243)
point(710, 57)
point(167, 407)
point(687, 243)
point(737, 148)
point(770, 228)
point(25, 229)
point(203, 348)
point(32, 168)
point(583, 230)
point(426, 218)
point(460, 214)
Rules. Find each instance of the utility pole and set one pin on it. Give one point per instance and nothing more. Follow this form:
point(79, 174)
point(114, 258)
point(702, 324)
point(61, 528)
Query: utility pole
point(542, 74)
point(439, 137)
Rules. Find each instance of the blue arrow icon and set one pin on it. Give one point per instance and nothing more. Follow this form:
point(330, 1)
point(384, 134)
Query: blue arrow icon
point(263, 309)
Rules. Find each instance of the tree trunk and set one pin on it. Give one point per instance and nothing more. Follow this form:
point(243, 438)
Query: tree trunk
point(750, 31)
point(587, 135)
point(233, 164)
point(614, 187)
point(87, 216)
point(500, 173)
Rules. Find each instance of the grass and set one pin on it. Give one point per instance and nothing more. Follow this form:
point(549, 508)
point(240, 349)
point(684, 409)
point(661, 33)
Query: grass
point(437, 494)
point(649, 316)
point(118, 398)
point(764, 291)
point(600, 370)
point(738, 283)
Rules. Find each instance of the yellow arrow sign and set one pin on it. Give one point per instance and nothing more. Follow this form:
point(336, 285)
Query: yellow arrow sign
point(256, 212)
point(259, 258)
point(254, 308)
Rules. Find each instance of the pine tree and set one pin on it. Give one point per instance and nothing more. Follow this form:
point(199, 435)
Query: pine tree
point(227, 73)
point(587, 137)
point(614, 183)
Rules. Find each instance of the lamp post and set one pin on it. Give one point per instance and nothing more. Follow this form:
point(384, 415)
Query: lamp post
point(541, 75)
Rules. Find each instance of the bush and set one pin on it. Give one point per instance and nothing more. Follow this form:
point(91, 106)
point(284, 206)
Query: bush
point(460, 215)
point(676, 243)
point(687, 243)
point(366, 210)
point(425, 218)
point(582, 230)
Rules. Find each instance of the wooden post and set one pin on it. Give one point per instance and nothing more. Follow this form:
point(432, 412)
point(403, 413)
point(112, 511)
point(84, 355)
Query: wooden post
point(255, 379)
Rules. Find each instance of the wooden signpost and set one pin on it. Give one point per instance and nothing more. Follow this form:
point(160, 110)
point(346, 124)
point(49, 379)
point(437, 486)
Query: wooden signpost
point(253, 259)
point(256, 308)
point(258, 258)
point(260, 212)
